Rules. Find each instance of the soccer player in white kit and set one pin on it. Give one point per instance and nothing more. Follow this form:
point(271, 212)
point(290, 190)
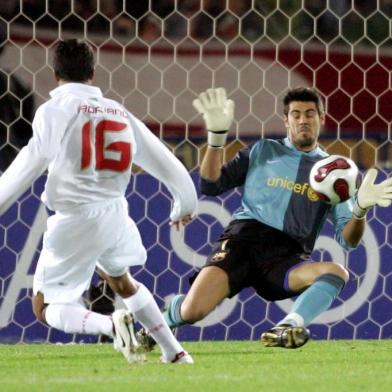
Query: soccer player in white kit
point(88, 143)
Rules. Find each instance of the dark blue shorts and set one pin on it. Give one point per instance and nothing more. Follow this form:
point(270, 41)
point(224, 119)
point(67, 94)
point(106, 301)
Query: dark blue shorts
point(259, 256)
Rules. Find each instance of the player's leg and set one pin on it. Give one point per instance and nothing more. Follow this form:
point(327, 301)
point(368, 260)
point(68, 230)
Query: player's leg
point(114, 265)
point(209, 289)
point(224, 275)
point(195, 305)
point(319, 284)
point(71, 317)
point(140, 302)
point(55, 300)
point(75, 318)
point(71, 246)
point(64, 270)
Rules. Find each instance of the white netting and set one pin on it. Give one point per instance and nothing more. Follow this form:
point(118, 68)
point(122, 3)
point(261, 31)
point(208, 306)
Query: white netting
point(155, 56)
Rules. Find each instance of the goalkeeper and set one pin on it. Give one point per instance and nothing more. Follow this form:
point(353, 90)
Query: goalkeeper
point(268, 243)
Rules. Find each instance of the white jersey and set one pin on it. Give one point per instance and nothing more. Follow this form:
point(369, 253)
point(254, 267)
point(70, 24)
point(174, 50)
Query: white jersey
point(88, 143)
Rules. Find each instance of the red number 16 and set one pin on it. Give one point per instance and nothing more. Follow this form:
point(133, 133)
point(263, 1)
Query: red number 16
point(102, 163)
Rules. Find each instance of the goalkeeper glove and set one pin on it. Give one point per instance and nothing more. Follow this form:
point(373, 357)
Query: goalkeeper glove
point(218, 114)
point(370, 194)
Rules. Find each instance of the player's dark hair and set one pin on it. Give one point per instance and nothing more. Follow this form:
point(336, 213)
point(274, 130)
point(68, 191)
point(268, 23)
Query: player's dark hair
point(303, 94)
point(73, 61)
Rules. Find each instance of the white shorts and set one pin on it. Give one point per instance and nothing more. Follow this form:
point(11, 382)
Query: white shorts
point(77, 240)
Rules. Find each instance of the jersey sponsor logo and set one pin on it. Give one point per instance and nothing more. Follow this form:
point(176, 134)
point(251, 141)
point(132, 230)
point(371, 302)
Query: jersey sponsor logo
point(303, 189)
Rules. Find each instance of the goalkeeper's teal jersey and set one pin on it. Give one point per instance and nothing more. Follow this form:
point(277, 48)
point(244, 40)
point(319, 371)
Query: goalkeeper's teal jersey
point(274, 177)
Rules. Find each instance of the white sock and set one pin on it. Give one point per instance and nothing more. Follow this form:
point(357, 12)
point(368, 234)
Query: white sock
point(294, 319)
point(74, 318)
point(143, 306)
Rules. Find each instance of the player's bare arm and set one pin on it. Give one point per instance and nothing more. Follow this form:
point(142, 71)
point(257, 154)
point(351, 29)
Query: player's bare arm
point(211, 165)
point(353, 231)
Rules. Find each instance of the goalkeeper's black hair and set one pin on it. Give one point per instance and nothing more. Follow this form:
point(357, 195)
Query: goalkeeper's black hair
point(303, 94)
point(73, 61)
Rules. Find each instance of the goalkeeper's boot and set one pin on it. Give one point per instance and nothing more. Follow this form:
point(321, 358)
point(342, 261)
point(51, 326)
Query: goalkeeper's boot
point(124, 339)
point(286, 336)
point(180, 358)
point(146, 342)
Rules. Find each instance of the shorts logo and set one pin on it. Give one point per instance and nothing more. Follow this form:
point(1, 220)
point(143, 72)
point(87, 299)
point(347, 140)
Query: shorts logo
point(220, 255)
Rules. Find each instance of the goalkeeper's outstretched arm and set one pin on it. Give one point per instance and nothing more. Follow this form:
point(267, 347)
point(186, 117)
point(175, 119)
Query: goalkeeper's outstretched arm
point(369, 195)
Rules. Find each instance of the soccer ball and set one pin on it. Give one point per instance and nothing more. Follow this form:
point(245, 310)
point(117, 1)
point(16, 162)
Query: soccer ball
point(334, 179)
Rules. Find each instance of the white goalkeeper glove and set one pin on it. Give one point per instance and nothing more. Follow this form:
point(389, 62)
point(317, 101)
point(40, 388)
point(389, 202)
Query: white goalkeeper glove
point(218, 114)
point(370, 194)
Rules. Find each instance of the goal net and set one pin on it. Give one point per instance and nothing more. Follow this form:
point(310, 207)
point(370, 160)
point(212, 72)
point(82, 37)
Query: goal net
point(155, 57)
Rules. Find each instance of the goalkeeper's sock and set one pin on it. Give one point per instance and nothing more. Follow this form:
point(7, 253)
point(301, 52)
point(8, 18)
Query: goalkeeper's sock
point(74, 318)
point(172, 313)
point(146, 311)
point(314, 300)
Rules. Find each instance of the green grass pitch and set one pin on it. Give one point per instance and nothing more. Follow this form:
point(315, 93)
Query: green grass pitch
point(333, 366)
